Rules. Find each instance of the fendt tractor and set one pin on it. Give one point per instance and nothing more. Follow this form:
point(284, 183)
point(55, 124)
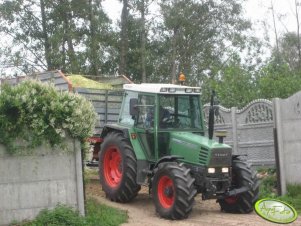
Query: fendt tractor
point(159, 141)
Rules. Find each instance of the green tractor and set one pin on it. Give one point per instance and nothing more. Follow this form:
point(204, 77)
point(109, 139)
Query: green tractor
point(159, 141)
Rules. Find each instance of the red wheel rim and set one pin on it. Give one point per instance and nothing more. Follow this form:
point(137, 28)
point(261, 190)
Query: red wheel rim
point(166, 192)
point(231, 200)
point(112, 166)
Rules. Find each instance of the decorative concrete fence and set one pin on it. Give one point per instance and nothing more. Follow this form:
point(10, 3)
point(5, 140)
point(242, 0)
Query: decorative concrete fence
point(288, 132)
point(249, 131)
point(29, 184)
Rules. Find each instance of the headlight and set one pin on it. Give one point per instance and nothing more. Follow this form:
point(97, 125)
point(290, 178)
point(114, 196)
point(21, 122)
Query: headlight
point(211, 170)
point(225, 170)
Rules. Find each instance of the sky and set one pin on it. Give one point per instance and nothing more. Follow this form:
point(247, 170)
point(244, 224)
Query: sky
point(284, 11)
point(256, 10)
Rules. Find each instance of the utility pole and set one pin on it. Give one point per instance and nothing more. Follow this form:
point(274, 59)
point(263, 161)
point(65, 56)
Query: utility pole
point(297, 4)
point(275, 29)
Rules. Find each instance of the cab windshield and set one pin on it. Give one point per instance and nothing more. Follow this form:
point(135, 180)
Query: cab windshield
point(180, 111)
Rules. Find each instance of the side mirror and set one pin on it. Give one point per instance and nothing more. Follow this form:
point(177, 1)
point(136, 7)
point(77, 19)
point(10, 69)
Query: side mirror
point(133, 107)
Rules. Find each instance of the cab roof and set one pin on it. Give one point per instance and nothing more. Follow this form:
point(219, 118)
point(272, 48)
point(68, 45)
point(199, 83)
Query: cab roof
point(162, 88)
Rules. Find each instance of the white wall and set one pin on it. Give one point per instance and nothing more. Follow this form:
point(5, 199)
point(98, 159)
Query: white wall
point(29, 184)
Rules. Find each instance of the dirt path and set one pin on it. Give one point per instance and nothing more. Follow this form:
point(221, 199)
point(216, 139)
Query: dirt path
point(141, 211)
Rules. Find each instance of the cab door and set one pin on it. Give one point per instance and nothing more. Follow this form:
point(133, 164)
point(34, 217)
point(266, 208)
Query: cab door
point(145, 124)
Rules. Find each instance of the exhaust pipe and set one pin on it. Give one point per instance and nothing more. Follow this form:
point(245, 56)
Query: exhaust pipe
point(213, 110)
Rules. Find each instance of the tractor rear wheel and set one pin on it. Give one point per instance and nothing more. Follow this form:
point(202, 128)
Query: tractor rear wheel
point(173, 190)
point(242, 175)
point(118, 168)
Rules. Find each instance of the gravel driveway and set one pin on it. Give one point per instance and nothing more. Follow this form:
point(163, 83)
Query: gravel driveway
point(141, 211)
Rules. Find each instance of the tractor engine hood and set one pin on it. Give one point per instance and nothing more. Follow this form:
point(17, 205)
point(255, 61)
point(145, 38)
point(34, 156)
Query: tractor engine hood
point(200, 150)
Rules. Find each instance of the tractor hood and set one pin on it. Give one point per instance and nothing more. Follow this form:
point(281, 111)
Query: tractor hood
point(200, 150)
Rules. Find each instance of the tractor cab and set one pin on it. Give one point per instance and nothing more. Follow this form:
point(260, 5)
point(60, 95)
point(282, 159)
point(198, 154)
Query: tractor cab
point(157, 110)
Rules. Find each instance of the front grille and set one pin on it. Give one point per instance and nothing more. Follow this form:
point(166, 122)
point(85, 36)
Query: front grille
point(221, 157)
point(203, 156)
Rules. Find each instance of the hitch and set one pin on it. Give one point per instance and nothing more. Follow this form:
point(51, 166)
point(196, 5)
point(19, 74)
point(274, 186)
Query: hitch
point(237, 191)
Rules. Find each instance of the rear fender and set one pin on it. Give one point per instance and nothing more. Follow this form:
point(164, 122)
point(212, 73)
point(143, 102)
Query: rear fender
point(110, 128)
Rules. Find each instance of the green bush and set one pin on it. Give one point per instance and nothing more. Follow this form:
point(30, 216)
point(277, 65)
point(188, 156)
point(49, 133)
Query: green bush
point(34, 113)
point(62, 215)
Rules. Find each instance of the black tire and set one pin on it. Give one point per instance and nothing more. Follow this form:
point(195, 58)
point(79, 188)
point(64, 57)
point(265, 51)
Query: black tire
point(173, 191)
point(242, 175)
point(118, 168)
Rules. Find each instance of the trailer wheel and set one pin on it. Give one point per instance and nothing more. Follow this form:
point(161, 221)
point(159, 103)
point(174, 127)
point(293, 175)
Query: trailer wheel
point(118, 168)
point(173, 190)
point(242, 175)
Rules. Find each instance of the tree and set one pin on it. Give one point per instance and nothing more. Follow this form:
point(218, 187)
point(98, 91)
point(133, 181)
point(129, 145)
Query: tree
point(287, 52)
point(20, 23)
point(202, 35)
point(100, 41)
point(236, 86)
point(71, 35)
point(297, 4)
point(124, 38)
point(278, 80)
point(141, 5)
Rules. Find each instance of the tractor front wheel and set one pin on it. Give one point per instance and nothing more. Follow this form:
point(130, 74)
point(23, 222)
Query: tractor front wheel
point(118, 168)
point(242, 175)
point(173, 190)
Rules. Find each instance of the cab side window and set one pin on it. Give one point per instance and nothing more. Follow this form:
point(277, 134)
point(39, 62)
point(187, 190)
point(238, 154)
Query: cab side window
point(124, 116)
point(146, 111)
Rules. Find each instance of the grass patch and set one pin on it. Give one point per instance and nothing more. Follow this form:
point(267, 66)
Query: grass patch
point(97, 215)
point(90, 174)
point(81, 81)
point(293, 196)
point(268, 189)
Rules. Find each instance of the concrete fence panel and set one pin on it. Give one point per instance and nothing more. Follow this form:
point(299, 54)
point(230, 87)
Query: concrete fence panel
point(255, 132)
point(288, 133)
point(249, 131)
point(29, 184)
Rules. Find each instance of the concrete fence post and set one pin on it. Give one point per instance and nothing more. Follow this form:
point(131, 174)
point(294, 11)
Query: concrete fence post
point(288, 129)
point(234, 130)
point(280, 160)
point(79, 177)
